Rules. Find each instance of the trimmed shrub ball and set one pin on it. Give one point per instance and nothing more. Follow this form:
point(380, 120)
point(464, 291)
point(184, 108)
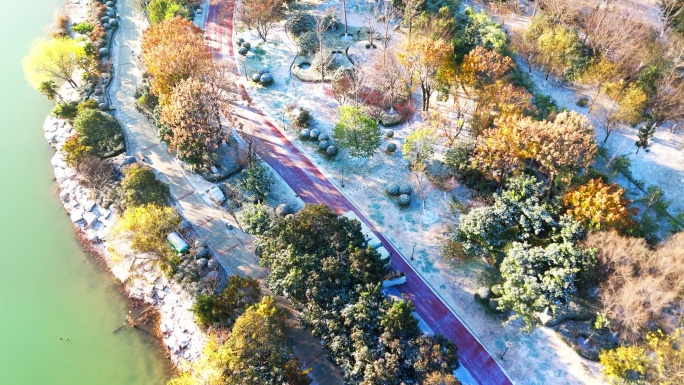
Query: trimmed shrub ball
point(266, 79)
point(107, 26)
point(283, 209)
point(323, 137)
point(110, 3)
point(389, 134)
point(404, 200)
point(243, 51)
point(392, 189)
point(405, 189)
point(239, 41)
point(103, 52)
point(256, 77)
point(246, 45)
point(324, 144)
point(314, 133)
point(113, 23)
point(390, 148)
point(305, 134)
point(264, 71)
point(331, 151)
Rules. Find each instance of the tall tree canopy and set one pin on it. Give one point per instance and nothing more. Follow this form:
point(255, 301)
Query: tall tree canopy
point(258, 351)
point(173, 51)
point(54, 59)
point(318, 256)
point(357, 132)
point(193, 112)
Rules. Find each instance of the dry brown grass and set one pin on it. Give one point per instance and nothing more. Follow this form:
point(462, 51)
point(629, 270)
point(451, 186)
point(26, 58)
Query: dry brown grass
point(637, 283)
point(61, 25)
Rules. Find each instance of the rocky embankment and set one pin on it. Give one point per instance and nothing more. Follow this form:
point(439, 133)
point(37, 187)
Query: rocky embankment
point(140, 275)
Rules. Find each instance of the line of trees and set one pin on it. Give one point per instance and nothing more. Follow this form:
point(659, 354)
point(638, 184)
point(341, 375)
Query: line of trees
point(192, 89)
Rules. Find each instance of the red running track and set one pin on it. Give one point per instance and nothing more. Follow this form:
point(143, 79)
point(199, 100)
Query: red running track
point(314, 188)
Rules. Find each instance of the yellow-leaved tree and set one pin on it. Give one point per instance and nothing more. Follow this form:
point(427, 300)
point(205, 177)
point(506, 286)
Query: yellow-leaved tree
point(425, 59)
point(173, 51)
point(601, 206)
point(54, 60)
point(147, 227)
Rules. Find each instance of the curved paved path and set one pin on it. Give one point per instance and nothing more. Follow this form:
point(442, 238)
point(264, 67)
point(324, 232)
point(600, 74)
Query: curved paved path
point(313, 187)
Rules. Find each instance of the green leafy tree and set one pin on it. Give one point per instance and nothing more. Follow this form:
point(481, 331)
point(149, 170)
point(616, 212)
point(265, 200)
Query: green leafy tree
point(140, 187)
point(55, 59)
point(99, 131)
point(256, 219)
point(224, 308)
point(478, 29)
point(160, 10)
point(419, 146)
point(49, 89)
point(645, 136)
point(518, 214)
point(258, 351)
point(147, 227)
point(258, 180)
point(537, 277)
point(318, 256)
point(559, 49)
point(357, 132)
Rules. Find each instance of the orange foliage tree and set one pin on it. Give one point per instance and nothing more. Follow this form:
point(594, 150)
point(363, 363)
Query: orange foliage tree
point(601, 206)
point(484, 75)
point(173, 51)
point(193, 113)
point(427, 60)
point(558, 147)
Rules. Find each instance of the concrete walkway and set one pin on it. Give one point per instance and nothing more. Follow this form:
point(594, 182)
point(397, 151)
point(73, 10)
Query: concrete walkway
point(233, 248)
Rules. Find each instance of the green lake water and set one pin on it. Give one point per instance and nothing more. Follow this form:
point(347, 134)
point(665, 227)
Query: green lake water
point(49, 288)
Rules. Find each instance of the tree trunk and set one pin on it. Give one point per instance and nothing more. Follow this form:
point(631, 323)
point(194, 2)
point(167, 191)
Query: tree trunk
point(608, 132)
point(593, 100)
point(344, 10)
point(551, 180)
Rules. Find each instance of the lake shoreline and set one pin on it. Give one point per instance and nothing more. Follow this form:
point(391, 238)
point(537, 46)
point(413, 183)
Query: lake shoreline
point(140, 280)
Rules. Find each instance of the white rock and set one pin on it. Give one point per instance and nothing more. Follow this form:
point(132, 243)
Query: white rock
point(89, 205)
point(104, 213)
point(102, 233)
point(90, 219)
point(64, 196)
point(76, 216)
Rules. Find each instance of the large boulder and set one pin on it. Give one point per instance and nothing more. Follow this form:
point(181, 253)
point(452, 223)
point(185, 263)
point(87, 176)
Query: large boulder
point(283, 210)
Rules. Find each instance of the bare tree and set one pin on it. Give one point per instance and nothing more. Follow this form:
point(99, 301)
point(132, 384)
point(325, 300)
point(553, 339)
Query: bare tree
point(389, 76)
point(412, 8)
point(666, 102)
point(369, 17)
point(637, 283)
point(323, 58)
point(561, 11)
point(262, 14)
point(671, 11)
point(387, 17)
